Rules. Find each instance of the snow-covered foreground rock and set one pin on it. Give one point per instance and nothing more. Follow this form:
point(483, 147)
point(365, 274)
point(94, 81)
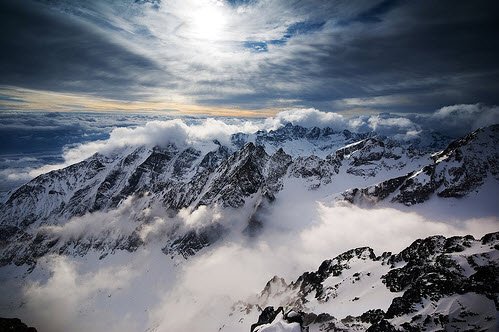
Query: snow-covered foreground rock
point(436, 283)
point(167, 237)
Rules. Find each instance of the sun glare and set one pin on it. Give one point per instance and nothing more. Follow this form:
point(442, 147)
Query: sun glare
point(208, 23)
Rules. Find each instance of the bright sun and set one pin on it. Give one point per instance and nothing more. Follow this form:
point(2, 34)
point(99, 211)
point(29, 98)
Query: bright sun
point(207, 23)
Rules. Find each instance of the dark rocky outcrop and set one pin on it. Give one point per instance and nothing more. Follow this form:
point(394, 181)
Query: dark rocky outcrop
point(14, 325)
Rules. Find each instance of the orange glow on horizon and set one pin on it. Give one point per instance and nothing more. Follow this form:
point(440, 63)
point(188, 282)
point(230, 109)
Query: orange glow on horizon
point(49, 101)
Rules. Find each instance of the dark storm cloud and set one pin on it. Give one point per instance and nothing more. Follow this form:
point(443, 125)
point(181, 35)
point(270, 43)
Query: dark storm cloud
point(333, 55)
point(47, 49)
point(432, 54)
point(372, 15)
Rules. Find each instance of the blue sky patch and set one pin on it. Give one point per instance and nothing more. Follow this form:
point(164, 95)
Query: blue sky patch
point(295, 29)
point(256, 46)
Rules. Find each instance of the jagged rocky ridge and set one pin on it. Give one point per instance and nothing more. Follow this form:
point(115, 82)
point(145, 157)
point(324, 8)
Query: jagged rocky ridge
point(456, 171)
point(249, 171)
point(435, 284)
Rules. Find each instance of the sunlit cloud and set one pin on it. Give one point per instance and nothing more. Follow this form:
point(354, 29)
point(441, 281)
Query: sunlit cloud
point(40, 100)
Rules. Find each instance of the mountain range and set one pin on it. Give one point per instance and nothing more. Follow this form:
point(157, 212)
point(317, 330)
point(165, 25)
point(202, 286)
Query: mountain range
point(436, 283)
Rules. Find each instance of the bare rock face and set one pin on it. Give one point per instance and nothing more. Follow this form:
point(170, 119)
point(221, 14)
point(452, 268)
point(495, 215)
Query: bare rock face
point(194, 240)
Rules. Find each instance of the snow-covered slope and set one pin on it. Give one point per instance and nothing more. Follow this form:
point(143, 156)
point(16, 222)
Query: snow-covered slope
point(463, 167)
point(435, 284)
